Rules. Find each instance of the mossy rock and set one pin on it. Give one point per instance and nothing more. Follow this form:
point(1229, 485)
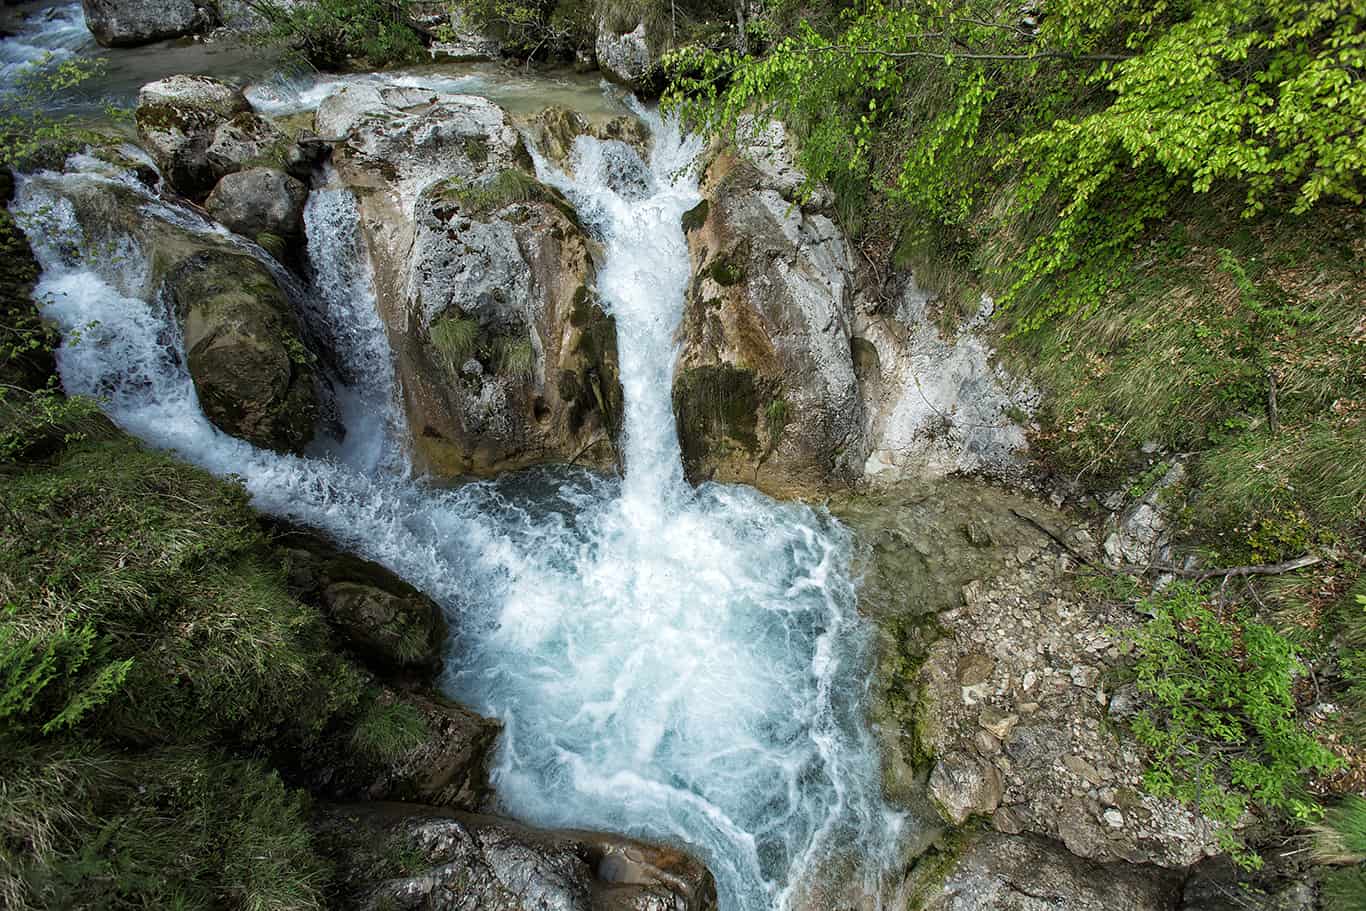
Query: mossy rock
point(252, 371)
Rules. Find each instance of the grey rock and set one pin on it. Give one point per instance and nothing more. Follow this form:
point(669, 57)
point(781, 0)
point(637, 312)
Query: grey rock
point(1000, 872)
point(259, 200)
point(471, 862)
point(626, 57)
point(463, 235)
point(965, 788)
point(202, 93)
point(767, 329)
point(125, 23)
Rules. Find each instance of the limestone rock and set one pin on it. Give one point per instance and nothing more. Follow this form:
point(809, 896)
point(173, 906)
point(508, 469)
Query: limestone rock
point(259, 201)
point(965, 788)
point(765, 390)
point(556, 128)
point(624, 55)
point(999, 872)
point(254, 376)
point(468, 862)
point(198, 130)
point(1010, 650)
point(125, 23)
point(485, 279)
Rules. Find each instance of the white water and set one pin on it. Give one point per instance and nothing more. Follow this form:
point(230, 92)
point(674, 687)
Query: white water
point(47, 37)
point(677, 664)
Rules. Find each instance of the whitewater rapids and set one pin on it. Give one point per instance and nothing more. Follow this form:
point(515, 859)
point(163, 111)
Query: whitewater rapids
point(676, 664)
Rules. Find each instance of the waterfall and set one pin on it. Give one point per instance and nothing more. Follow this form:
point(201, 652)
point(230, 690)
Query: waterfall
point(677, 664)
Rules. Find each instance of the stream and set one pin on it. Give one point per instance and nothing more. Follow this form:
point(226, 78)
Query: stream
point(680, 664)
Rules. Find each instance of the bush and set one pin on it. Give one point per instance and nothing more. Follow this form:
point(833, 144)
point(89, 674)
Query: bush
point(1219, 723)
point(332, 34)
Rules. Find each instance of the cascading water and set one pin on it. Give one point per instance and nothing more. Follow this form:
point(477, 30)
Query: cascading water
point(676, 664)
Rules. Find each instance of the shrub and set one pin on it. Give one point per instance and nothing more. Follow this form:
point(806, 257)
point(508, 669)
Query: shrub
point(1219, 723)
point(330, 34)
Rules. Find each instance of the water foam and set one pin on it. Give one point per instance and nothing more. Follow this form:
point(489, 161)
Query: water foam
point(677, 664)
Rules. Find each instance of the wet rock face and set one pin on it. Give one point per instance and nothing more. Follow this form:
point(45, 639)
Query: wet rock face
point(254, 377)
point(198, 130)
point(485, 280)
point(765, 388)
point(125, 23)
point(999, 873)
point(464, 862)
point(1006, 662)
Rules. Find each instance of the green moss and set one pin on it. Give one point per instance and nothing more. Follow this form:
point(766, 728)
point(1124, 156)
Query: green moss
point(485, 196)
point(932, 869)
point(696, 217)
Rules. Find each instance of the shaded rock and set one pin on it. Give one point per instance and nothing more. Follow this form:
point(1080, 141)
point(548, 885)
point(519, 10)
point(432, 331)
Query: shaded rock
point(379, 613)
point(484, 277)
point(125, 23)
point(447, 765)
point(466, 862)
point(396, 628)
point(765, 389)
point(259, 201)
point(254, 376)
point(999, 872)
point(1217, 885)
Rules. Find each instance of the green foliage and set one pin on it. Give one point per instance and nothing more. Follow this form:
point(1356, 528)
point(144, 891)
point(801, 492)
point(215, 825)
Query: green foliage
point(28, 129)
point(454, 338)
point(58, 680)
point(387, 729)
point(88, 828)
point(163, 566)
point(1052, 149)
point(1219, 723)
point(332, 34)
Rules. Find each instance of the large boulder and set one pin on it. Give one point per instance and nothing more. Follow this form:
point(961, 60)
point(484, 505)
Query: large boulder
point(199, 129)
point(125, 23)
point(259, 201)
point(253, 374)
point(999, 873)
point(765, 390)
point(485, 280)
point(461, 862)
